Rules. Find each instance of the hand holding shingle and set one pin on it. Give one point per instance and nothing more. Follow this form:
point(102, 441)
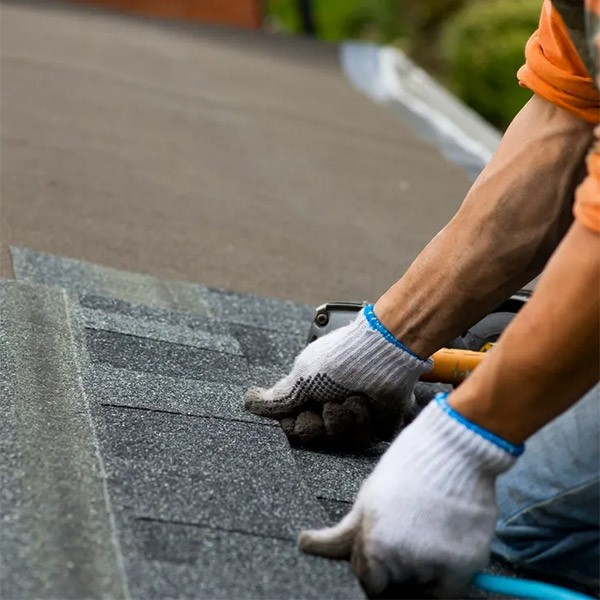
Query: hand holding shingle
point(347, 388)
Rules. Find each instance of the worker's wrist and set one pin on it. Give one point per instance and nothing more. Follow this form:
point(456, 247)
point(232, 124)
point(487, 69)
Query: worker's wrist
point(376, 324)
point(452, 454)
point(395, 320)
point(511, 448)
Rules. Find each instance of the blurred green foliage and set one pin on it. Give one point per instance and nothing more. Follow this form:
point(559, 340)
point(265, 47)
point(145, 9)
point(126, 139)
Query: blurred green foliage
point(374, 20)
point(474, 47)
point(483, 46)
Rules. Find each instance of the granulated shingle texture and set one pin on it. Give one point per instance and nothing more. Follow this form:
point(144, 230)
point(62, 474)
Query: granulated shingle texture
point(204, 563)
point(207, 498)
point(334, 477)
point(213, 472)
point(57, 539)
point(152, 356)
point(87, 278)
point(107, 314)
point(126, 388)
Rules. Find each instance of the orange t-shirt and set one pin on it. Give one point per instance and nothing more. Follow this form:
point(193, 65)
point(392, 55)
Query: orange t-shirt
point(554, 71)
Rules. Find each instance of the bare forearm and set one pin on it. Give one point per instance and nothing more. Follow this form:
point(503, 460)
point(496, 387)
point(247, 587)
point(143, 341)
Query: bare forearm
point(509, 224)
point(548, 357)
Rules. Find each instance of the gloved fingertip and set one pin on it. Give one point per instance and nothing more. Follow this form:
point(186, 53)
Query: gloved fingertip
point(332, 542)
point(337, 419)
point(288, 424)
point(323, 543)
point(253, 398)
point(359, 406)
point(256, 402)
point(306, 539)
point(309, 429)
point(347, 427)
point(374, 577)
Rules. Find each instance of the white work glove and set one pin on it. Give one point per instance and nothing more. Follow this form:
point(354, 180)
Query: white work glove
point(427, 513)
point(350, 387)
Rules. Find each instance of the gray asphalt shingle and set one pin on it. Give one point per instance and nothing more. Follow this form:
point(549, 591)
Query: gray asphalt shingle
point(57, 539)
point(214, 472)
point(152, 356)
point(134, 389)
point(264, 347)
point(255, 311)
point(204, 563)
point(208, 499)
point(108, 314)
point(334, 477)
point(88, 278)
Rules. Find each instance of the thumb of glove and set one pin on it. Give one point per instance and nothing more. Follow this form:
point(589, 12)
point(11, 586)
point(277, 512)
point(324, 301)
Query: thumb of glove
point(282, 400)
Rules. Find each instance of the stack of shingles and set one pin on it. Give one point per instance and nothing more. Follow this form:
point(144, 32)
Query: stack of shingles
point(207, 499)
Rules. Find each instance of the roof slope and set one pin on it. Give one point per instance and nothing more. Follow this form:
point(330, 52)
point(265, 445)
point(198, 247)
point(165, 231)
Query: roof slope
point(207, 499)
point(56, 535)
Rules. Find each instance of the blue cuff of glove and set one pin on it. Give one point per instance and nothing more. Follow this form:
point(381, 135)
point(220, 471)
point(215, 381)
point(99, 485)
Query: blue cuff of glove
point(378, 326)
point(513, 449)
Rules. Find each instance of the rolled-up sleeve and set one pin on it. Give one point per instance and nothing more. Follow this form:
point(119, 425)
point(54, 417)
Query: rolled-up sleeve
point(554, 70)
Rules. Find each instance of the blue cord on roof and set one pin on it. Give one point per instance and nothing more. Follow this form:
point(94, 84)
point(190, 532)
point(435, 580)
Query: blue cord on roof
point(525, 588)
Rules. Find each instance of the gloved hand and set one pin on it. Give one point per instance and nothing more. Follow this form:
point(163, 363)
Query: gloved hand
point(348, 388)
point(427, 512)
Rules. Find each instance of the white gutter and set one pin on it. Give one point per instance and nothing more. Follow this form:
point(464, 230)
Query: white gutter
point(389, 77)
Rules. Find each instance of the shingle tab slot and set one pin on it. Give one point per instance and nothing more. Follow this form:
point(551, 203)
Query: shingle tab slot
point(121, 387)
point(202, 563)
point(237, 476)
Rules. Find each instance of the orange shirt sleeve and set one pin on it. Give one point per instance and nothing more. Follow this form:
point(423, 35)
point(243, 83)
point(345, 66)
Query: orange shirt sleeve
point(554, 70)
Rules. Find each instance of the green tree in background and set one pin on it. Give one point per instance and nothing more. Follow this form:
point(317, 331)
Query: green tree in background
point(474, 47)
point(374, 20)
point(483, 46)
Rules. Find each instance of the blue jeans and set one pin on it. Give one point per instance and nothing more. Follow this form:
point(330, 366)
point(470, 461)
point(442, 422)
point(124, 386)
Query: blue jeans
point(549, 502)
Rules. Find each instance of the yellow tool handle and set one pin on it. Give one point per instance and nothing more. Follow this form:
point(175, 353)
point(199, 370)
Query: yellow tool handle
point(452, 366)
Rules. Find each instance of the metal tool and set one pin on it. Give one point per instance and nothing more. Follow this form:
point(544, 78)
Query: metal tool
point(332, 315)
point(450, 365)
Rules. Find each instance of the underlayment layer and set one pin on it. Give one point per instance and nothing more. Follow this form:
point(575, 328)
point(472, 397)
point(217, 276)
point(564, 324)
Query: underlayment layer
point(239, 159)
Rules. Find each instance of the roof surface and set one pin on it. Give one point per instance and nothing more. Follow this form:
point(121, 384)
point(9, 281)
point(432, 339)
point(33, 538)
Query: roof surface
point(207, 499)
point(240, 159)
point(130, 467)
